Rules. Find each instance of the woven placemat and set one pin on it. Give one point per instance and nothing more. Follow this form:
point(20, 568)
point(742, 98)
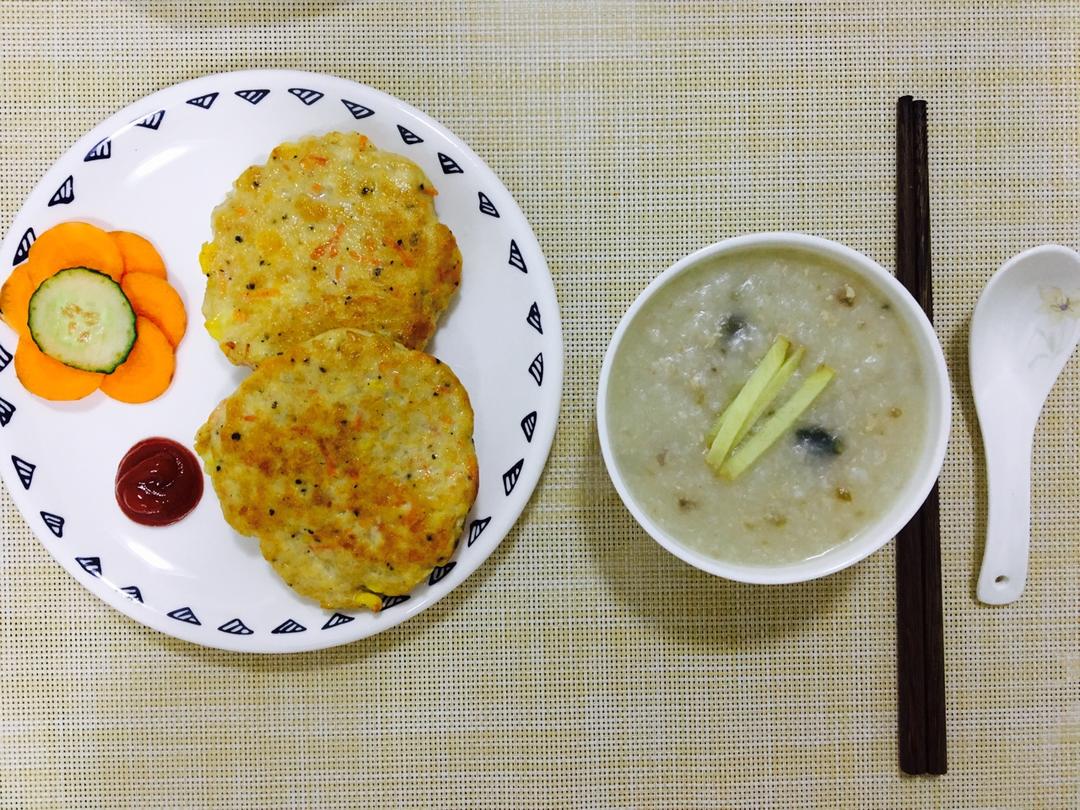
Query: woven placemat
point(582, 666)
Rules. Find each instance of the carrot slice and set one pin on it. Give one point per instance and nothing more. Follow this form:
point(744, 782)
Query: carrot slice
point(140, 256)
point(155, 298)
point(49, 378)
point(15, 298)
point(74, 244)
point(147, 371)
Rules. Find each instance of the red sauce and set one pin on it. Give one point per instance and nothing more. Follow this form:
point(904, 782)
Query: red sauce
point(158, 482)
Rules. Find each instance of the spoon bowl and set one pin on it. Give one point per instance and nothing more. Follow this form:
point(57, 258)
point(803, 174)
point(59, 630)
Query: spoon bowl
point(1024, 329)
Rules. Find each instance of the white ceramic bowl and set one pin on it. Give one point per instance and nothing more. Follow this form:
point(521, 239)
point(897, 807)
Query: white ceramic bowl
point(918, 485)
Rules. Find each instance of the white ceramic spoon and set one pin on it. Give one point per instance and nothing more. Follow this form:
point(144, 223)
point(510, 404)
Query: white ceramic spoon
point(1024, 330)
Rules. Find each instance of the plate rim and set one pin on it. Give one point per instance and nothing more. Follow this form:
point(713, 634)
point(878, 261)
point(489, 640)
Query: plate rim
point(543, 436)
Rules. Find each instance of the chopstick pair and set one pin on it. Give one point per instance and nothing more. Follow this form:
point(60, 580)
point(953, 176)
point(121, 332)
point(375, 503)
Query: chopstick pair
point(920, 634)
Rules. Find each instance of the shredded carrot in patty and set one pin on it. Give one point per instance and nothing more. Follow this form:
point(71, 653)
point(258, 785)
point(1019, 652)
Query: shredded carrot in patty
point(309, 160)
point(406, 257)
point(331, 468)
point(329, 247)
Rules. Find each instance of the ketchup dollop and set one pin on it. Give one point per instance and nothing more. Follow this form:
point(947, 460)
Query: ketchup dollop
point(158, 482)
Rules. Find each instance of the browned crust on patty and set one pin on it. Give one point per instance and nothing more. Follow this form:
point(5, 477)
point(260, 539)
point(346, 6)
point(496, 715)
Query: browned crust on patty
point(351, 458)
point(329, 232)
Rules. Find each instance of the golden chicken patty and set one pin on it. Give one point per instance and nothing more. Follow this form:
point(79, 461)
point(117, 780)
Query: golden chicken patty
point(350, 458)
point(329, 232)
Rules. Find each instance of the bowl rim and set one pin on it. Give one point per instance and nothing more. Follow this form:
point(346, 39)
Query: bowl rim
point(916, 488)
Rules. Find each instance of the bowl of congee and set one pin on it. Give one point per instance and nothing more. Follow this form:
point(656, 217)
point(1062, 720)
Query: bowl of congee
point(773, 408)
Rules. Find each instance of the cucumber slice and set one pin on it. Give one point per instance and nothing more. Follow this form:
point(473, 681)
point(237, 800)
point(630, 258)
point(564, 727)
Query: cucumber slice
point(83, 319)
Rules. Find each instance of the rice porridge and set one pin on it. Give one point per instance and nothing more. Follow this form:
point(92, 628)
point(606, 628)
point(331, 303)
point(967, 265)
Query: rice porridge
point(688, 353)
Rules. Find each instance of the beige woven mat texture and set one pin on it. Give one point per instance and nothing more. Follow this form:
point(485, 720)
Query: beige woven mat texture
point(583, 666)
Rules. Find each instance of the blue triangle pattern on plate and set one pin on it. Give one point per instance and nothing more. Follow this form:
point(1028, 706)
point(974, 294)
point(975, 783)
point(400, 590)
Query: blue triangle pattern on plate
point(309, 97)
point(533, 318)
point(516, 259)
point(25, 470)
point(476, 528)
point(235, 626)
point(5, 358)
point(54, 522)
point(23, 248)
point(536, 368)
point(65, 194)
point(152, 121)
point(288, 626)
point(410, 138)
point(91, 565)
point(7, 410)
point(486, 206)
point(252, 97)
point(336, 620)
point(391, 601)
point(102, 150)
point(133, 592)
point(441, 571)
point(528, 425)
point(449, 165)
point(358, 110)
point(204, 102)
point(510, 477)
point(184, 614)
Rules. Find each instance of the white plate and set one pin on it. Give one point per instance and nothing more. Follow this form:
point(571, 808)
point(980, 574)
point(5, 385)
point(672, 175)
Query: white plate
point(158, 168)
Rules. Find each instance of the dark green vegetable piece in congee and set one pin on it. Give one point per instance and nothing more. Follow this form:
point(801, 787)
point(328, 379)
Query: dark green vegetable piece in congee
point(731, 326)
point(818, 441)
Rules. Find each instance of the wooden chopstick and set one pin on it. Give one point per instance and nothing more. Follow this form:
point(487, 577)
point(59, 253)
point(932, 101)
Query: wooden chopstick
point(910, 635)
point(936, 758)
point(920, 635)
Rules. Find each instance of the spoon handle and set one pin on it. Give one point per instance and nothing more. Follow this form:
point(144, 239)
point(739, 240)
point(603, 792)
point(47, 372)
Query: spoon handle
point(1008, 524)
